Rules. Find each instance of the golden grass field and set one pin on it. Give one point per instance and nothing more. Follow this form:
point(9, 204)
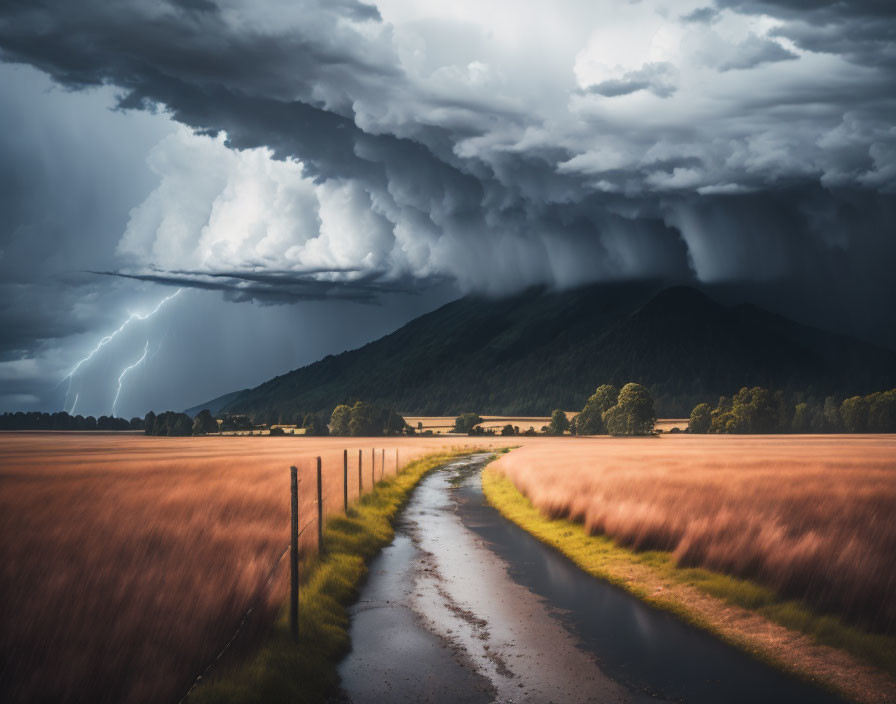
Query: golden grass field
point(444, 424)
point(127, 560)
point(809, 516)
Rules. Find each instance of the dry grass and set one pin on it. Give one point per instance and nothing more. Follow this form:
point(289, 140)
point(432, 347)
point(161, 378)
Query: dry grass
point(127, 561)
point(444, 424)
point(809, 516)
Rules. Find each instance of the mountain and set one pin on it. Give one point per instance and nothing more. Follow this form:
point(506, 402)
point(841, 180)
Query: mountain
point(216, 405)
point(543, 350)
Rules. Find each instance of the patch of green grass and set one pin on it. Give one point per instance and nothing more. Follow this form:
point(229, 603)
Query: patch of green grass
point(874, 648)
point(604, 558)
point(284, 671)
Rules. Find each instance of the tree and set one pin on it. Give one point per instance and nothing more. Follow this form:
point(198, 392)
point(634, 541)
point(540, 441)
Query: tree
point(393, 423)
point(802, 418)
point(750, 411)
point(854, 414)
point(466, 422)
point(882, 412)
point(180, 425)
point(701, 419)
point(633, 414)
point(365, 420)
point(235, 422)
point(171, 423)
point(204, 423)
point(339, 420)
point(314, 425)
point(149, 422)
point(508, 430)
point(590, 420)
point(832, 415)
point(559, 423)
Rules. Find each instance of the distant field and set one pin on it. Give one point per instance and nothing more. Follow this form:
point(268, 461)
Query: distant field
point(666, 424)
point(444, 424)
point(809, 516)
point(127, 561)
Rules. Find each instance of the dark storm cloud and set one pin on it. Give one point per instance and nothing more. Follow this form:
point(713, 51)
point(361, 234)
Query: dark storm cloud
point(285, 286)
point(862, 30)
point(779, 179)
point(49, 199)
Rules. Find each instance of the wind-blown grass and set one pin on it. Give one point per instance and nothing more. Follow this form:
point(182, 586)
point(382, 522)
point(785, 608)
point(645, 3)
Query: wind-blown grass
point(808, 517)
point(655, 577)
point(127, 561)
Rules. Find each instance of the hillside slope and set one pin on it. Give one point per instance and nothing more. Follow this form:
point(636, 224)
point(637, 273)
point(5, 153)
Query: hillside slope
point(538, 351)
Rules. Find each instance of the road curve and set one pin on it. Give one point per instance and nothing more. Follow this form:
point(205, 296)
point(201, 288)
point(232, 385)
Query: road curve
point(464, 606)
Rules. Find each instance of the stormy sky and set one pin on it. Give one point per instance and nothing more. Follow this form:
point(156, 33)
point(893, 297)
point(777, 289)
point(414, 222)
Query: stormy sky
point(312, 175)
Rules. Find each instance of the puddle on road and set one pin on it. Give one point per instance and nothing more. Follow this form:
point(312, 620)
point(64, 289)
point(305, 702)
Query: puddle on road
point(464, 606)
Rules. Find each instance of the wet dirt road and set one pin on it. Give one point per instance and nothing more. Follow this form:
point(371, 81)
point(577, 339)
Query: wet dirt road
point(464, 606)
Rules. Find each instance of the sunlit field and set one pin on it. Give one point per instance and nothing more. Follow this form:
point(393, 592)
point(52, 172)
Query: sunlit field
point(128, 560)
point(810, 516)
point(444, 424)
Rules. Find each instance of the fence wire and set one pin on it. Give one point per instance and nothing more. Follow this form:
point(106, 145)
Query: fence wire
point(247, 615)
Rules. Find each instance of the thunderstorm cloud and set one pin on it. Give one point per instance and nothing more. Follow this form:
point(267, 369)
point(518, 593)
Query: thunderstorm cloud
point(341, 151)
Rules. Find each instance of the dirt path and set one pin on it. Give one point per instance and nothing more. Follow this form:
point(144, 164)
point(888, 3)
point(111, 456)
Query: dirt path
point(465, 606)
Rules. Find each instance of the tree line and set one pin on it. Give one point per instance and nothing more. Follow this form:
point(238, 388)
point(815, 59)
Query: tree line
point(610, 410)
point(359, 419)
point(758, 410)
point(35, 420)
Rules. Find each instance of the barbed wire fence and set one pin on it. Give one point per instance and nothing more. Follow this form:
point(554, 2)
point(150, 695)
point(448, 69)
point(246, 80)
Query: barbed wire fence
point(293, 548)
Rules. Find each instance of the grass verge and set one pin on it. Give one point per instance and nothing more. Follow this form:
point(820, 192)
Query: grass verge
point(283, 671)
point(640, 573)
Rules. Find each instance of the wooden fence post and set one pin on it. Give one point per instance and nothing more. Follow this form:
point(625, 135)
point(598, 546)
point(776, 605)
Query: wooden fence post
point(383, 464)
point(294, 555)
point(396, 461)
point(360, 480)
point(320, 513)
point(372, 467)
point(345, 479)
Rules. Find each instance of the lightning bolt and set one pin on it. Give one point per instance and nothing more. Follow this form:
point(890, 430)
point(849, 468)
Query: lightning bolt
point(124, 373)
point(72, 412)
point(108, 338)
